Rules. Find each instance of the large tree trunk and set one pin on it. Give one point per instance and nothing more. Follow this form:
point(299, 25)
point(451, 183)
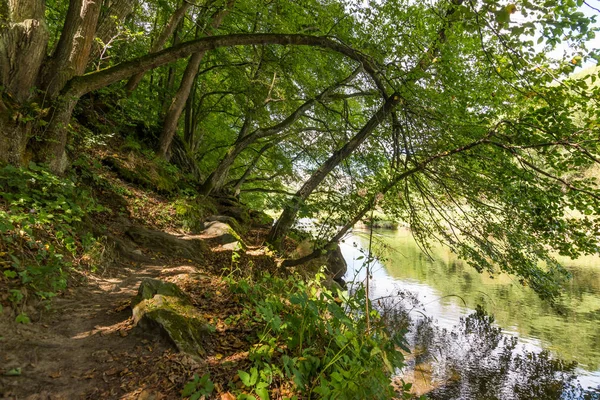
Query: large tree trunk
point(288, 216)
point(185, 87)
point(23, 42)
point(166, 33)
point(177, 105)
point(73, 50)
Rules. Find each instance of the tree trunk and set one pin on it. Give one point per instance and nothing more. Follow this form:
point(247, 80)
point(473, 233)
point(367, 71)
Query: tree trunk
point(177, 16)
point(73, 49)
point(53, 149)
point(178, 103)
point(288, 216)
point(386, 188)
point(180, 99)
point(169, 83)
point(99, 79)
point(23, 41)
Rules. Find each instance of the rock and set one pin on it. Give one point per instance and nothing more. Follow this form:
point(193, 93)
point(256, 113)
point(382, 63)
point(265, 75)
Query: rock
point(336, 264)
point(220, 218)
point(333, 261)
point(163, 305)
point(186, 246)
point(223, 234)
point(232, 222)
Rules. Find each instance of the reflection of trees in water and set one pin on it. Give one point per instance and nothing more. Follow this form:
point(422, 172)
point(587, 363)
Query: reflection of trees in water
point(476, 361)
point(576, 316)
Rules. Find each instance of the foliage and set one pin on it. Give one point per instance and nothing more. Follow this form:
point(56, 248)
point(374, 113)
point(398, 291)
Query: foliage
point(318, 340)
point(198, 387)
point(39, 216)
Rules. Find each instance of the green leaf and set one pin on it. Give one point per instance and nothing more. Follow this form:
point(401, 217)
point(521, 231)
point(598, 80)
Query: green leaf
point(263, 393)
point(189, 387)
point(245, 377)
point(10, 274)
point(22, 319)
point(13, 372)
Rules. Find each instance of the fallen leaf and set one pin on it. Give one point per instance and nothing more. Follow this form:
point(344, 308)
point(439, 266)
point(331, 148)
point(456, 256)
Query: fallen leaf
point(227, 396)
point(55, 375)
point(89, 374)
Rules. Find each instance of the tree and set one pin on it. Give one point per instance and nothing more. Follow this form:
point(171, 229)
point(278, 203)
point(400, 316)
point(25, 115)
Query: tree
point(452, 106)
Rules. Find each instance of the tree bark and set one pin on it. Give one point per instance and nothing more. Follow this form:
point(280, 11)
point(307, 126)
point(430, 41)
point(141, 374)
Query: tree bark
point(166, 33)
point(288, 216)
point(73, 49)
point(178, 103)
point(23, 41)
point(181, 97)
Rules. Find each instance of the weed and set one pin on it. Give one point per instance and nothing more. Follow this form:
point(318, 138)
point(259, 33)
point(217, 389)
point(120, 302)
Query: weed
point(198, 387)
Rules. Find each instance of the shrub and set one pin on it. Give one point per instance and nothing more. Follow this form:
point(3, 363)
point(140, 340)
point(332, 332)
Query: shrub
point(318, 341)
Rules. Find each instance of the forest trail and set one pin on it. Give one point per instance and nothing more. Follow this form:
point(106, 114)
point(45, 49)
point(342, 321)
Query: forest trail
point(85, 345)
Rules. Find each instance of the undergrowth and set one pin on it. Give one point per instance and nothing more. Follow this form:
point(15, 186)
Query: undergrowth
point(39, 216)
point(313, 343)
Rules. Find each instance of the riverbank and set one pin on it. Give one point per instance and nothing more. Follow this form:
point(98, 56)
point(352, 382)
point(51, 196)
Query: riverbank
point(93, 295)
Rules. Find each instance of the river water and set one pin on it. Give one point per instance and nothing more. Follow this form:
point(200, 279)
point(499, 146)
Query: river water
point(438, 293)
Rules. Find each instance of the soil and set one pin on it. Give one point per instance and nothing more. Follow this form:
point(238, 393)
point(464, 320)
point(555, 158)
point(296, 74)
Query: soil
point(85, 345)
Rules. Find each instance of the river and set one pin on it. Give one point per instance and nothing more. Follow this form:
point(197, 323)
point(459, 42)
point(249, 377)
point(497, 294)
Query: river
point(445, 291)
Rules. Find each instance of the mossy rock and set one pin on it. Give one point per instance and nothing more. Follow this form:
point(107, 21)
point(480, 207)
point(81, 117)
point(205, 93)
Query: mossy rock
point(163, 305)
point(151, 287)
point(232, 222)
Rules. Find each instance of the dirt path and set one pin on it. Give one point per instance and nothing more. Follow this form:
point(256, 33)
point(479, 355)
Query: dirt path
point(85, 345)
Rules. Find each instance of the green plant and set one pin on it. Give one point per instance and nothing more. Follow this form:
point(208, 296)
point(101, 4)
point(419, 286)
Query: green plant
point(198, 387)
point(317, 340)
point(39, 216)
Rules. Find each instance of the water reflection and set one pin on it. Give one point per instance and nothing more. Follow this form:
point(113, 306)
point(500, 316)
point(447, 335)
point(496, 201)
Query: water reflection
point(447, 291)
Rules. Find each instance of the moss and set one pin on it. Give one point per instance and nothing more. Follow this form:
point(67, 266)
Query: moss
point(239, 239)
point(163, 305)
